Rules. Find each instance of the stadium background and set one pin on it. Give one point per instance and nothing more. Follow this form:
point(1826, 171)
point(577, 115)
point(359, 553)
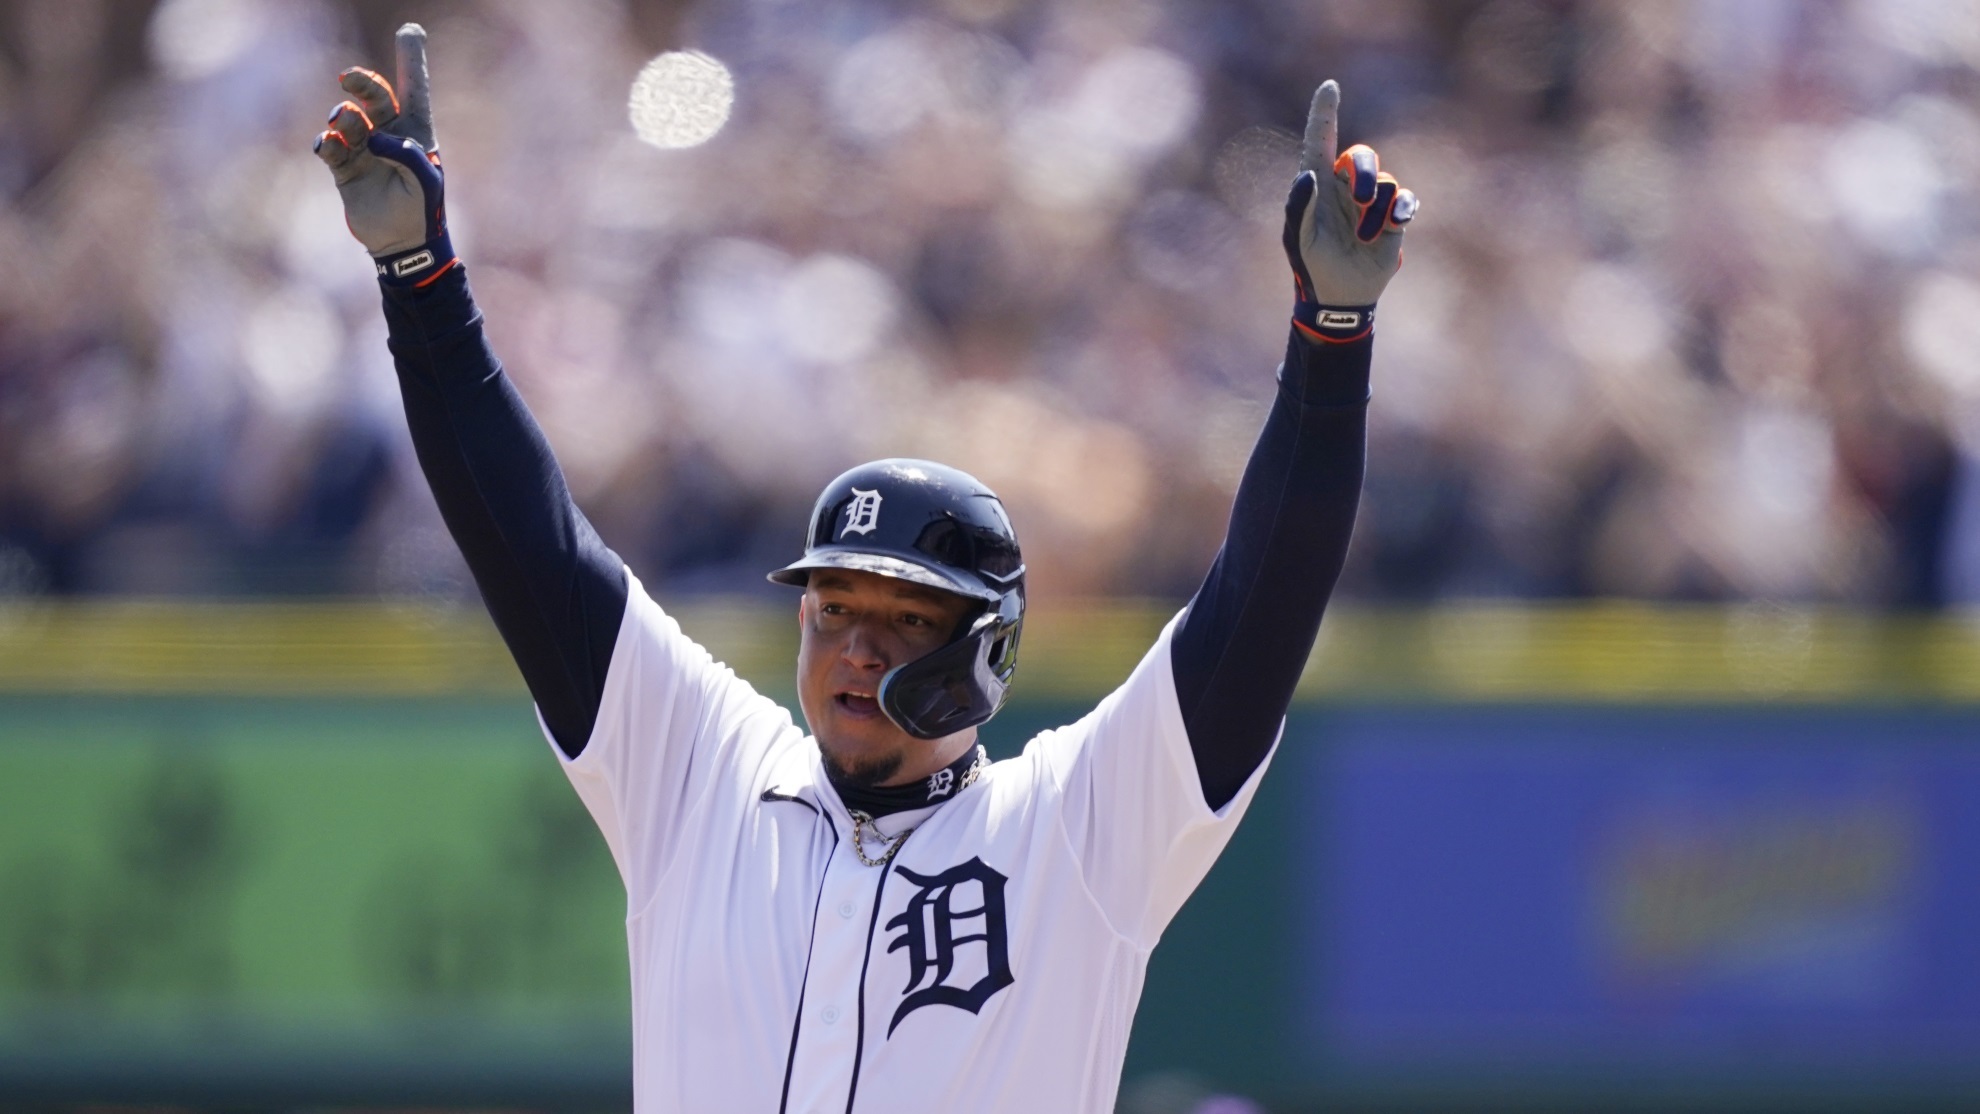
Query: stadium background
point(1636, 768)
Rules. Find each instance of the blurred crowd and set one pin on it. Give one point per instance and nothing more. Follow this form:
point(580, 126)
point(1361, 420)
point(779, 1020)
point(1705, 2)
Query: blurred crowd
point(1692, 310)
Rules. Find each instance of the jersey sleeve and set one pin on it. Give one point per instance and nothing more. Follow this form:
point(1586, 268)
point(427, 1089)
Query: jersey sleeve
point(673, 726)
point(1132, 803)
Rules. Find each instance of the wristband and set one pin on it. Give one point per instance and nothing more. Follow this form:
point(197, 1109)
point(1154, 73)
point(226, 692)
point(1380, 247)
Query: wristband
point(1333, 324)
point(419, 266)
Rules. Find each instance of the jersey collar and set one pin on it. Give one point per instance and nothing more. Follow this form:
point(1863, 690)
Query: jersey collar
point(937, 788)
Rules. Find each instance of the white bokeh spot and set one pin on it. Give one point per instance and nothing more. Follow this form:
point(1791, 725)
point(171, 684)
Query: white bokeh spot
point(1941, 331)
point(191, 39)
point(292, 344)
point(681, 99)
point(836, 309)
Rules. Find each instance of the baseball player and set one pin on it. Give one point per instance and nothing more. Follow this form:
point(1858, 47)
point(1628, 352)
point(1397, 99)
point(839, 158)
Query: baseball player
point(872, 917)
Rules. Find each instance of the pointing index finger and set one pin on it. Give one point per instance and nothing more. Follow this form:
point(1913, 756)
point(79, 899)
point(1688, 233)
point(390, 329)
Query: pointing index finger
point(415, 94)
point(1322, 129)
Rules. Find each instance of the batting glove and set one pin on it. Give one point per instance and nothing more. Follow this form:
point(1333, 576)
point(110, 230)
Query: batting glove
point(382, 152)
point(1344, 229)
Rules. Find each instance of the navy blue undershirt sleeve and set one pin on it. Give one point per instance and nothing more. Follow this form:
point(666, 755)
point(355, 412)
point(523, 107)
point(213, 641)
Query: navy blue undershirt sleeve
point(556, 593)
point(1243, 643)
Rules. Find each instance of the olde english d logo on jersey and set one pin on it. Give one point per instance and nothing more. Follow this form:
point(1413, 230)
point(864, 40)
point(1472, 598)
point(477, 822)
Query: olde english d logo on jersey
point(958, 954)
point(863, 513)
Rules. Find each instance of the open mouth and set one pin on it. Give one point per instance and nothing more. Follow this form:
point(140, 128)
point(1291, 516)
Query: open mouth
point(858, 704)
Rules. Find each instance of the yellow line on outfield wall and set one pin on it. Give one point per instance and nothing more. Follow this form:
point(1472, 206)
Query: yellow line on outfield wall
point(1579, 652)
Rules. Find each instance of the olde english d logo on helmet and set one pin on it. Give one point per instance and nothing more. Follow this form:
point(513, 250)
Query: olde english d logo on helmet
point(956, 956)
point(863, 513)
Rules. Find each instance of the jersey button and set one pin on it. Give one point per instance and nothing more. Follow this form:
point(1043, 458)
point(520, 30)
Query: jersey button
point(846, 909)
point(829, 1014)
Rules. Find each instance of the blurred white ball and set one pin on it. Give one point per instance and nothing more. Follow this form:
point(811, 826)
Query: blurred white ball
point(191, 39)
point(681, 99)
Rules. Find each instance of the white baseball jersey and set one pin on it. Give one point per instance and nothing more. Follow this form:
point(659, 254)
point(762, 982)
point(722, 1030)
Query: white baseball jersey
point(993, 965)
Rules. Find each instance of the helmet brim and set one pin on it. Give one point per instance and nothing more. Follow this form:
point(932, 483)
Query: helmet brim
point(798, 572)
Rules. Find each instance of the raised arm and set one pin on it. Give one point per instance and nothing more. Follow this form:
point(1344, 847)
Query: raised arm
point(1244, 641)
point(556, 593)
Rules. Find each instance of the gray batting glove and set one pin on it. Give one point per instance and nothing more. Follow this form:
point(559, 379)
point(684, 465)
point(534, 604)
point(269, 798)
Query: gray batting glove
point(1344, 228)
point(381, 150)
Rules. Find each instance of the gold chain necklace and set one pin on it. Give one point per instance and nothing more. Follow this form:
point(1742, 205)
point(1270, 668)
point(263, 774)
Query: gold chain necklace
point(862, 821)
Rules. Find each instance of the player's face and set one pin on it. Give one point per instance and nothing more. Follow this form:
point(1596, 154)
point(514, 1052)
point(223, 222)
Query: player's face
point(855, 626)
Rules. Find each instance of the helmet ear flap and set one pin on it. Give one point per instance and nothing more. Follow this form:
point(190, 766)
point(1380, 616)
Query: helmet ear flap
point(962, 684)
point(1001, 656)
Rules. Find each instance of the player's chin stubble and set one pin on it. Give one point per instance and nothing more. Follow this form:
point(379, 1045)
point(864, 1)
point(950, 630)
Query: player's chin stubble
point(866, 775)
